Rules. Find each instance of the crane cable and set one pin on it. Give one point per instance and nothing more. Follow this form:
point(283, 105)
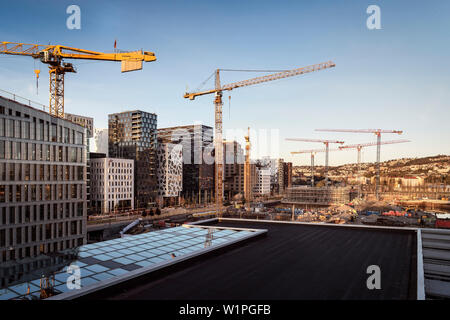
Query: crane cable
point(229, 107)
point(252, 70)
point(37, 72)
point(234, 70)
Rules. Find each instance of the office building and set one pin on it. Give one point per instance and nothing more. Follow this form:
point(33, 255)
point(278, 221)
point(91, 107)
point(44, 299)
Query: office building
point(43, 182)
point(169, 173)
point(112, 184)
point(262, 183)
point(132, 135)
point(198, 160)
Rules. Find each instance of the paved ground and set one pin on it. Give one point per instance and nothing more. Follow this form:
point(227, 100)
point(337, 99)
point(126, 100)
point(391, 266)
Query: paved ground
point(293, 262)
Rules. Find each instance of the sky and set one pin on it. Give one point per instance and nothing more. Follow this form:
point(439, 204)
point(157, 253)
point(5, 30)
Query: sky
point(396, 77)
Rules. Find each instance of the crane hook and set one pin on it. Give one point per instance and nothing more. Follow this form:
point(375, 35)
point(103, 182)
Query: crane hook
point(37, 71)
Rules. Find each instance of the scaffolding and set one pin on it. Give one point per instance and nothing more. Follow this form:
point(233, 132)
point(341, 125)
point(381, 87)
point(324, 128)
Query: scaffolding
point(318, 195)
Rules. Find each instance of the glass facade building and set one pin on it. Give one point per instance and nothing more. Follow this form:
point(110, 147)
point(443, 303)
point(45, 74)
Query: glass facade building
point(42, 182)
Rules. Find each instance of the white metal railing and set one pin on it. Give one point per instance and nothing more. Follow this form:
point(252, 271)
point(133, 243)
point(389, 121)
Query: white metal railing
point(22, 100)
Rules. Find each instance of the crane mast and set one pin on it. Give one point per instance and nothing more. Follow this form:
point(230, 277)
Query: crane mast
point(218, 145)
point(313, 153)
point(217, 91)
point(378, 133)
point(360, 146)
point(327, 150)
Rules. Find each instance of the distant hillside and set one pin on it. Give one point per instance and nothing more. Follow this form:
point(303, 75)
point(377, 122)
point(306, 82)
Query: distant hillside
point(427, 167)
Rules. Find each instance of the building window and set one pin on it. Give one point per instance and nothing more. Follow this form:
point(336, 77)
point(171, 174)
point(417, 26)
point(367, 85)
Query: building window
point(54, 137)
point(18, 146)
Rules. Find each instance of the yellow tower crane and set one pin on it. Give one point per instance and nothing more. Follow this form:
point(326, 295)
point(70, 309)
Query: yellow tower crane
point(248, 194)
point(217, 91)
point(53, 55)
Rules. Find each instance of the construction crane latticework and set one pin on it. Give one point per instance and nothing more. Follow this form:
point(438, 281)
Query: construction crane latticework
point(378, 133)
point(53, 55)
point(217, 91)
point(327, 150)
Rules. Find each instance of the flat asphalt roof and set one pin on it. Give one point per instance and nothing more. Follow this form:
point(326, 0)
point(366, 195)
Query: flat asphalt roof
point(292, 261)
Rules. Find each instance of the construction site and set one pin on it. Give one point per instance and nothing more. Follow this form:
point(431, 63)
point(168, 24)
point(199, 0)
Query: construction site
point(173, 215)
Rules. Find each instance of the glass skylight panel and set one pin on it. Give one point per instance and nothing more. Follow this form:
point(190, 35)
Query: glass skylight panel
point(136, 257)
point(96, 268)
point(103, 276)
point(118, 272)
point(123, 260)
point(113, 254)
point(144, 263)
point(88, 281)
point(84, 272)
point(148, 254)
point(108, 259)
point(103, 257)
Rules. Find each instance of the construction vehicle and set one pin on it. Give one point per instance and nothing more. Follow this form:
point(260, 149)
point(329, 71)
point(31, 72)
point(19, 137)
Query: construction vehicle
point(327, 149)
point(378, 133)
point(54, 56)
point(217, 91)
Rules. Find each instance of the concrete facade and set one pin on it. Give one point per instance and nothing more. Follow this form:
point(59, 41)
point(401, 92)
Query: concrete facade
point(86, 122)
point(262, 184)
point(112, 184)
point(43, 182)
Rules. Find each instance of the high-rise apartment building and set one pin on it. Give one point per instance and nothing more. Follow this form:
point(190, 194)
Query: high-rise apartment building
point(284, 175)
point(133, 135)
point(287, 179)
point(42, 182)
point(280, 175)
point(198, 160)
